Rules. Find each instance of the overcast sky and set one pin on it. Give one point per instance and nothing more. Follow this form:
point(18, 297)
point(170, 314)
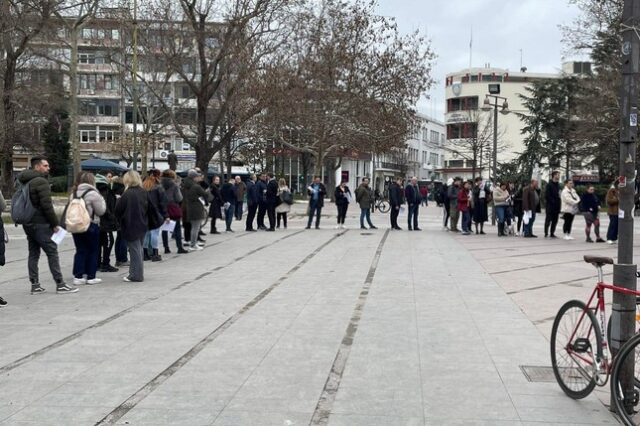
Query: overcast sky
point(500, 29)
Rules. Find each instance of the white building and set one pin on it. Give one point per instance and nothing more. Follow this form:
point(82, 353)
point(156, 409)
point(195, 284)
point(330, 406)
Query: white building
point(426, 149)
point(465, 119)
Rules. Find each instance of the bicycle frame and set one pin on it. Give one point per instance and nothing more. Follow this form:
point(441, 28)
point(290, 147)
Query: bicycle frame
point(600, 311)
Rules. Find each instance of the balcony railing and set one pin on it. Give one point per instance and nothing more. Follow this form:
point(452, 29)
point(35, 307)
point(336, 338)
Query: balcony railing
point(100, 93)
point(99, 119)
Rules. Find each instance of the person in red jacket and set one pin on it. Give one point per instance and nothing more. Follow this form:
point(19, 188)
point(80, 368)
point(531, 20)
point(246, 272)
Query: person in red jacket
point(424, 193)
point(464, 208)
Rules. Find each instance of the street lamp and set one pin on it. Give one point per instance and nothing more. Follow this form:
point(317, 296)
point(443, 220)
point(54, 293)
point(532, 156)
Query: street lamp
point(487, 106)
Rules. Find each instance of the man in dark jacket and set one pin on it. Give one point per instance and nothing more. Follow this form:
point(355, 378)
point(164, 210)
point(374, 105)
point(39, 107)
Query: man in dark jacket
point(241, 189)
point(530, 202)
point(261, 187)
point(395, 199)
point(272, 201)
point(590, 206)
point(172, 159)
point(316, 192)
point(42, 226)
point(552, 202)
point(252, 203)
point(228, 194)
point(412, 195)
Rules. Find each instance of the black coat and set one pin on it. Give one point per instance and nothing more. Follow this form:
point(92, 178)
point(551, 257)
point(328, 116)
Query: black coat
point(40, 194)
point(108, 221)
point(341, 196)
point(216, 202)
point(159, 199)
point(552, 197)
point(395, 194)
point(261, 189)
point(131, 212)
point(412, 194)
point(272, 192)
point(228, 194)
point(252, 193)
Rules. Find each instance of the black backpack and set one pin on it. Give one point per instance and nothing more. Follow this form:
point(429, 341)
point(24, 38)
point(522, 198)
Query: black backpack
point(286, 197)
point(22, 209)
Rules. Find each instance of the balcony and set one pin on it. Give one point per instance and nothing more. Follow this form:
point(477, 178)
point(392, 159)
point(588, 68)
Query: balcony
point(99, 93)
point(98, 68)
point(99, 119)
point(460, 117)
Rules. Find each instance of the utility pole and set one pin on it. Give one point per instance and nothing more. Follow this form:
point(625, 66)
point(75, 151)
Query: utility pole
point(134, 89)
point(624, 272)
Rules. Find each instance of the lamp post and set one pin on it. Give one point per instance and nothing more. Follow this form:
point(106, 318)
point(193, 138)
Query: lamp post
point(487, 106)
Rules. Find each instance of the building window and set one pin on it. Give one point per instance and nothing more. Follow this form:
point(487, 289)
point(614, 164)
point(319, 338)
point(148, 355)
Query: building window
point(462, 104)
point(107, 135)
point(88, 136)
point(461, 130)
point(434, 159)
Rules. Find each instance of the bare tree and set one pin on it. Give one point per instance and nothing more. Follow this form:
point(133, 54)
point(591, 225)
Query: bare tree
point(20, 22)
point(346, 81)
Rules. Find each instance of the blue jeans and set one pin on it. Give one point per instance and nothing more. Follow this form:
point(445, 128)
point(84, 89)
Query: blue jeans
point(501, 213)
point(466, 221)
point(228, 216)
point(528, 228)
point(314, 208)
point(85, 261)
point(365, 213)
point(151, 239)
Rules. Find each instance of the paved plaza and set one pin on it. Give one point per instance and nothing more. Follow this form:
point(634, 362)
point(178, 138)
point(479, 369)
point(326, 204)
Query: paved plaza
point(301, 327)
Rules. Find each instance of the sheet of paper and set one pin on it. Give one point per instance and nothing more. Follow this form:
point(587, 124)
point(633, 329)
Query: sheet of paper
point(58, 237)
point(168, 226)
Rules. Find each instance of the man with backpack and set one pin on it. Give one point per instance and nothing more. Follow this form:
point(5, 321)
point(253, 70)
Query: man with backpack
point(39, 222)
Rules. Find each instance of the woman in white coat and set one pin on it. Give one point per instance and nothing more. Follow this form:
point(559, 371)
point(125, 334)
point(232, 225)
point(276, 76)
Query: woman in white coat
point(569, 208)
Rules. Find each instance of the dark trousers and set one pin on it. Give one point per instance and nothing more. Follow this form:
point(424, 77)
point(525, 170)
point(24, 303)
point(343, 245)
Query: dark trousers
point(568, 222)
point(528, 228)
point(413, 213)
point(612, 231)
point(187, 231)
point(395, 211)
point(445, 214)
point(85, 261)
point(39, 238)
point(238, 210)
point(251, 214)
point(342, 213)
point(228, 216)
point(262, 211)
point(314, 208)
point(455, 215)
point(550, 220)
point(177, 235)
point(121, 248)
point(282, 217)
point(271, 212)
point(106, 246)
point(466, 221)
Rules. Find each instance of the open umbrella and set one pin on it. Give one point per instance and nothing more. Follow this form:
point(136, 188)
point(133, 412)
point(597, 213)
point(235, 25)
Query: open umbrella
point(98, 164)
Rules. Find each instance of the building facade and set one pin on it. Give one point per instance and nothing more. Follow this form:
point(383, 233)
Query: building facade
point(469, 128)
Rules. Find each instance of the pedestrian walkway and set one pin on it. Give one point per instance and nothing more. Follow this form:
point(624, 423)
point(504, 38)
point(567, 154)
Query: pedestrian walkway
point(296, 327)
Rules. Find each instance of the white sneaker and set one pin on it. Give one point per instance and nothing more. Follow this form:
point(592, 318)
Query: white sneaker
point(566, 237)
point(609, 242)
point(79, 281)
point(569, 237)
point(337, 226)
point(94, 281)
point(196, 248)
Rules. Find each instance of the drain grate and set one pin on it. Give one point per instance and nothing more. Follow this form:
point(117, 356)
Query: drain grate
point(366, 233)
point(538, 374)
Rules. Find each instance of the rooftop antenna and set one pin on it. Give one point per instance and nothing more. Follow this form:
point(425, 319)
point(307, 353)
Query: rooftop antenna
point(520, 58)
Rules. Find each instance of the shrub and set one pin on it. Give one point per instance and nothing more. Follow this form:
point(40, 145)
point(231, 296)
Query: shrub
point(58, 184)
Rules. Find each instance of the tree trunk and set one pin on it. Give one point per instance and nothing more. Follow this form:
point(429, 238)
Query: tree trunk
point(74, 133)
point(9, 128)
point(229, 159)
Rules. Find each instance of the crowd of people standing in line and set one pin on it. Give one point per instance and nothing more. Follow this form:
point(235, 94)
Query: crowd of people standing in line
point(128, 214)
point(516, 208)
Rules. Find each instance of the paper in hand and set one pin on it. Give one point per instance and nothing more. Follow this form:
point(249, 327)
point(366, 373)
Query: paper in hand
point(58, 237)
point(168, 226)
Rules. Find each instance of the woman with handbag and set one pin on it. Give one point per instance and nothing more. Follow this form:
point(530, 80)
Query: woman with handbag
point(285, 199)
point(174, 198)
point(343, 198)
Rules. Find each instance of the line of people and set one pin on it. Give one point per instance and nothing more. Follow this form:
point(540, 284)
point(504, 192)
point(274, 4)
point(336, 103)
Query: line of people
point(516, 209)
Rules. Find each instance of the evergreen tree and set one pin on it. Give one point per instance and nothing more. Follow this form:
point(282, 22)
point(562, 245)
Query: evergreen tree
point(55, 134)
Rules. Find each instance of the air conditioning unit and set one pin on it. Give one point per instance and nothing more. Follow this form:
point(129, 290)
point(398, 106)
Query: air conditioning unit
point(164, 154)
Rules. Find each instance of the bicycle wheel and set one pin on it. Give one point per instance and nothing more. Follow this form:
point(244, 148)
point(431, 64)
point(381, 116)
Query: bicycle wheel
point(637, 372)
point(631, 348)
point(576, 347)
point(384, 206)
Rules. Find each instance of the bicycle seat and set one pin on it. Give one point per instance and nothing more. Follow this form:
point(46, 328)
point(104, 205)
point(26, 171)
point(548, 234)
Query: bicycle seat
point(598, 260)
